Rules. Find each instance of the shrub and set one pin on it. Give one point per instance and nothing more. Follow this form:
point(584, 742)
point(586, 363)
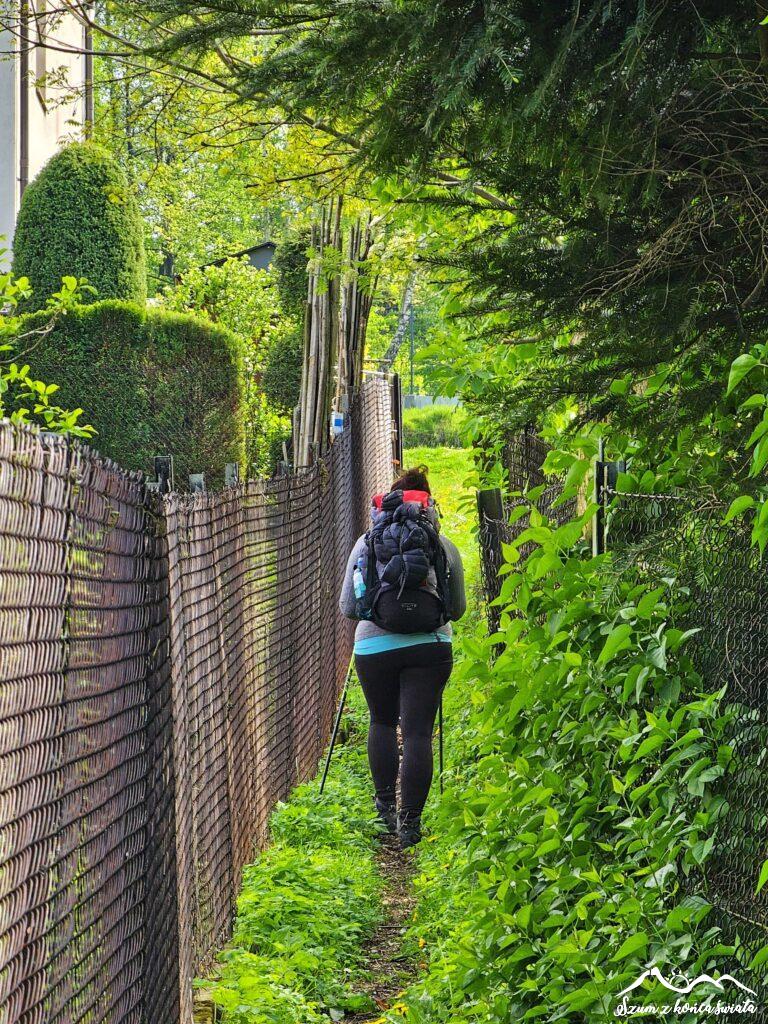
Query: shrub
point(79, 217)
point(434, 426)
point(584, 802)
point(281, 378)
point(153, 383)
point(290, 266)
point(246, 301)
point(233, 294)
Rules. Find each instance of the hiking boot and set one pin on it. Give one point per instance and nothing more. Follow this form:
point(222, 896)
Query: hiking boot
point(387, 814)
point(409, 829)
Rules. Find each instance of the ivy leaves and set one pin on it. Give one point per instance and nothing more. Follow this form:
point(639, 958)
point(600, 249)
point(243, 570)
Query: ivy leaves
point(24, 398)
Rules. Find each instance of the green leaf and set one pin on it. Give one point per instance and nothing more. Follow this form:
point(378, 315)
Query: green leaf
point(759, 958)
point(647, 604)
point(523, 916)
point(576, 474)
point(760, 430)
point(759, 457)
point(649, 745)
point(631, 945)
point(617, 640)
point(763, 877)
point(738, 506)
point(756, 401)
point(740, 367)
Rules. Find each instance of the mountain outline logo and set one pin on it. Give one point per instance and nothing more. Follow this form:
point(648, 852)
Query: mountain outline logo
point(687, 986)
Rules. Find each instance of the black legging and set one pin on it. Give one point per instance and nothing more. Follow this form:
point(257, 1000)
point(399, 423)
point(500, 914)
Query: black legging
point(403, 685)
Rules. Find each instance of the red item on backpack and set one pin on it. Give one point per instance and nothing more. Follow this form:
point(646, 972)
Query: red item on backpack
point(418, 496)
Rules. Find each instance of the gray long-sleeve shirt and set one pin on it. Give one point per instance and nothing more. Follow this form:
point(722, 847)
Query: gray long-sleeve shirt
point(365, 630)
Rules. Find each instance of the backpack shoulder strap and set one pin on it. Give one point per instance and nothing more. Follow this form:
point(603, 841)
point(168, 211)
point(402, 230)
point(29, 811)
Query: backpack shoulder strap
point(442, 573)
point(371, 574)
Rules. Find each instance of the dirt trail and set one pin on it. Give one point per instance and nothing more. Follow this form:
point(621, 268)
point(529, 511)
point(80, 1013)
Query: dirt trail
point(390, 971)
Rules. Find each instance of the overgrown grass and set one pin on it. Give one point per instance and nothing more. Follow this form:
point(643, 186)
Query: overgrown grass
point(435, 426)
point(450, 469)
point(581, 803)
point(307, 902)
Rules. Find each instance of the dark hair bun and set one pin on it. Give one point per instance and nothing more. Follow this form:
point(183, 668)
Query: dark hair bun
point(413, 480)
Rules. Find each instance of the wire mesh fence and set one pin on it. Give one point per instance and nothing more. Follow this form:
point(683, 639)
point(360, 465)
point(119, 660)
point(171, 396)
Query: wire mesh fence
point(168, 672)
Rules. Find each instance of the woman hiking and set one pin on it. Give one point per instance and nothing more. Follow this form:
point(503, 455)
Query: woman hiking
point(404, 582)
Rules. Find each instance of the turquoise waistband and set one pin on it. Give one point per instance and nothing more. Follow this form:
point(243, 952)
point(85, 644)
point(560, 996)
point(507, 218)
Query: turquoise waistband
point(394, 641)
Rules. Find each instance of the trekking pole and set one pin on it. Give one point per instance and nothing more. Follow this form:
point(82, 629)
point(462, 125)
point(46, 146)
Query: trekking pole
point(440, 741)
point(336, 725)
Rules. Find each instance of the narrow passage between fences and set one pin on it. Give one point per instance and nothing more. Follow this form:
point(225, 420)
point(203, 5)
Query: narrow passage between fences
point(169, 673)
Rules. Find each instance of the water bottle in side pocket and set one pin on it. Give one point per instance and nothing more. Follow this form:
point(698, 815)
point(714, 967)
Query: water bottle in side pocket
point(358, 580)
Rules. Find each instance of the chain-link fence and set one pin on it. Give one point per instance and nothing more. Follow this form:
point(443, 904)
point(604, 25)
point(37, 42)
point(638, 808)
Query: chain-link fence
point(169, 671)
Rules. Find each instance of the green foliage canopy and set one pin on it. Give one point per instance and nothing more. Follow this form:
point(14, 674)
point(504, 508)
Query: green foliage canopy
point(80, 217)
point(603, 222)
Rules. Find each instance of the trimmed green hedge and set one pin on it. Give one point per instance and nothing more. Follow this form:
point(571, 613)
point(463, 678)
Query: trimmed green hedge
point(151, 382)
point(80, 218)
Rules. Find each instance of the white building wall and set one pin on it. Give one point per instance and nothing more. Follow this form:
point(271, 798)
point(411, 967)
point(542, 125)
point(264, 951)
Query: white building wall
point(56, 115)
point(55, 104)
point(9, 147)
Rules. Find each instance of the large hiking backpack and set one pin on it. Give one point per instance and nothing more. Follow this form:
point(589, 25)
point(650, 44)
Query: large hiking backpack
point(406, 570)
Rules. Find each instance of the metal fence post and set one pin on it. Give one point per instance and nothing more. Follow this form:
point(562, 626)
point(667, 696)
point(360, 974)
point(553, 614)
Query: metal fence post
point(396, 394)
point(164, 473)
point(598, 523)
point(490, 508)
point(606, 478)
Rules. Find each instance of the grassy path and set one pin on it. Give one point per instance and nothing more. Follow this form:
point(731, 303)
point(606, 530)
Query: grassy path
point(391, 962)
point(389, 967)
point(323, 913)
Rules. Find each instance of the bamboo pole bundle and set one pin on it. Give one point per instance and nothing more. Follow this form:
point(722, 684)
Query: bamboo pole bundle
point(328, 329)
point(336, 319)
point(356, 300)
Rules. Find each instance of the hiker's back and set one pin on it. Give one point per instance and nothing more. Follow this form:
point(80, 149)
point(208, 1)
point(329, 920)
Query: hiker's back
point(404, 569)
